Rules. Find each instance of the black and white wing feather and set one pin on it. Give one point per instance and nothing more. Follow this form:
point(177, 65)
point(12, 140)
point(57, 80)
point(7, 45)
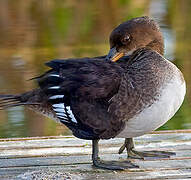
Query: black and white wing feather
point(79, 93)
point(51, 84)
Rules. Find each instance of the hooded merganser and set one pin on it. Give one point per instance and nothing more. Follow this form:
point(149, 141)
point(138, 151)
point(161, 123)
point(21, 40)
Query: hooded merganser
point(130, 92)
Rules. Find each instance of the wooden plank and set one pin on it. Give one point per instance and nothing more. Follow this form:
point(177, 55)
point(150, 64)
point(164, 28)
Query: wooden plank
point(58, 157)
point(87, 172)
point(65, 146)
point(86, 159)
point(74, 142)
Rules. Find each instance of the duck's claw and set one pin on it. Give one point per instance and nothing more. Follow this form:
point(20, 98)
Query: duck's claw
point(132, 153)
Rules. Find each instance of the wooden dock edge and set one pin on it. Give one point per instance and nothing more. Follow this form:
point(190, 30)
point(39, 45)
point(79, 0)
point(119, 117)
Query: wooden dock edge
point(66, 157)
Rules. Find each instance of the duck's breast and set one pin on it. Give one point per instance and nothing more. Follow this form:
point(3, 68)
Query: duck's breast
point(152, 117)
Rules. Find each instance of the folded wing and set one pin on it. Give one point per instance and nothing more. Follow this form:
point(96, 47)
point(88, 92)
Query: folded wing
point(79, 92)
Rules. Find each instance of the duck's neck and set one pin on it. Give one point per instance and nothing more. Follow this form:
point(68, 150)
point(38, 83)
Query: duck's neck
point(157, 45)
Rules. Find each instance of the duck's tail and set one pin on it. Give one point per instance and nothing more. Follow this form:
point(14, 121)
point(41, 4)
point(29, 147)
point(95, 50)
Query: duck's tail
point(7, 101)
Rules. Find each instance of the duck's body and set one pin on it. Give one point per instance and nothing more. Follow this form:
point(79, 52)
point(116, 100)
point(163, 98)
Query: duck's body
point(99, 99)
point(159, 89)
point(76, 92)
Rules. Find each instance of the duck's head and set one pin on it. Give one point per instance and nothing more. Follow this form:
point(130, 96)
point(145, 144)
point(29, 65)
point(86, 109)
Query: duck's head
point(136, 33)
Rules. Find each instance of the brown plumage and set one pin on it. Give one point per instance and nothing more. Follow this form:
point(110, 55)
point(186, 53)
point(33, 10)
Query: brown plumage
point(95, 97)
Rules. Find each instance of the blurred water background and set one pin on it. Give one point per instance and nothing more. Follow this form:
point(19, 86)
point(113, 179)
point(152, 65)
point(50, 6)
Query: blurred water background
point(35, 31)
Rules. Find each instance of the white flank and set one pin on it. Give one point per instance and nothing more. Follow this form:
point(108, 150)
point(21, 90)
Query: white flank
point(56, 97)
point(71, 114)
point(151, 118)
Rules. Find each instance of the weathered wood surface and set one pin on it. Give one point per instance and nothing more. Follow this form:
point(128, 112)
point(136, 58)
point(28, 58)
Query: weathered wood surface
point(68, 157)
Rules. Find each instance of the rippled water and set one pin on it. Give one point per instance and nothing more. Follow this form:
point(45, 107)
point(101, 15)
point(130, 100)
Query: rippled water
point(33, 32)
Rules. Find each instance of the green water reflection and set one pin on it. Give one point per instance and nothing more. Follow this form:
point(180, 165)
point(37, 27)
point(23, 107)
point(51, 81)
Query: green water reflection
point(35, 31)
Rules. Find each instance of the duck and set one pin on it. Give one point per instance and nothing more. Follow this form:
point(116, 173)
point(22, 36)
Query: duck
point(131, 91)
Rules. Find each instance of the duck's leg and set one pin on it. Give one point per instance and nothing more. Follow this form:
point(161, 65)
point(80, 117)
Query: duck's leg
point(132, 153)
point(112, 165)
